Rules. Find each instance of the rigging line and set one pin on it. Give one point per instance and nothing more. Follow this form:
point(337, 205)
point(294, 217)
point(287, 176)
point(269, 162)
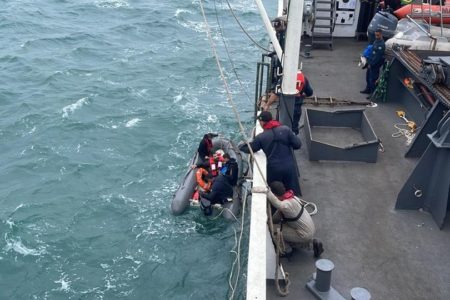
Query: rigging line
point(229, 97)
point(229, 56)
point(238, 254)
point(243, 29)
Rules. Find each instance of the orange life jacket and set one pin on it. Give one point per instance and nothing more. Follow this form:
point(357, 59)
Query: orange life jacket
point(300, 84)
point(205, 186)
point(215, 164)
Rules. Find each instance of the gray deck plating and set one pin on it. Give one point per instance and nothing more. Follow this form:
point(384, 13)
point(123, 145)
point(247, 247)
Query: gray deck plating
point(393, 254)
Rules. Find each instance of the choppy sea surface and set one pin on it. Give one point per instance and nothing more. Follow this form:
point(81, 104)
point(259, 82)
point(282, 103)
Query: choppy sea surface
point(102, 104)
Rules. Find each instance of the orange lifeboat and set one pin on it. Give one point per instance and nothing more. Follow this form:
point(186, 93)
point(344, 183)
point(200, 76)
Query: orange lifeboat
point(425, 11)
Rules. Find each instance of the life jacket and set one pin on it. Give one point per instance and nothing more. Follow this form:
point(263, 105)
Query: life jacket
point(300, 84)
point(205, 186)
point(215, 164)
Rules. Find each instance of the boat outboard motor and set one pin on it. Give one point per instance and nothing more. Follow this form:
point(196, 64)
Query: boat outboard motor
point(206, 206)
point(385, 21)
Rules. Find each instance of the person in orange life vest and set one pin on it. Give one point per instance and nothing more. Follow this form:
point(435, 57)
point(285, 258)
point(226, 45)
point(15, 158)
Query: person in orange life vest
point(203, 179)
point(204, 182)
point(294, 221)
point(230, 169)
point(304, 89)
point(213, 163)
point(277, 142)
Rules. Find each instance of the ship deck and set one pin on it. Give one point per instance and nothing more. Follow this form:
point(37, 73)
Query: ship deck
point(394, 254)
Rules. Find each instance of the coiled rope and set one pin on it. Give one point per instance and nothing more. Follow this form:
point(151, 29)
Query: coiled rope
point(406, 132)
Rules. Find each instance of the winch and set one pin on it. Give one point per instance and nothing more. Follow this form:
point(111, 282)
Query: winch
point(436, 69)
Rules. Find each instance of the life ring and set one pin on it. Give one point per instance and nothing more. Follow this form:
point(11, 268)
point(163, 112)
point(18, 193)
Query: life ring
point(205, 186)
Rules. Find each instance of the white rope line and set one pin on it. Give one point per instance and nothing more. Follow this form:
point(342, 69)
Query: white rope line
point(229, 97)
point(406, 132)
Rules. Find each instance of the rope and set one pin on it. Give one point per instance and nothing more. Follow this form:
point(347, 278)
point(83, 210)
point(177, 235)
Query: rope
point(284, 291)
point(407, 133)
point(229, 56)
point(238, 253)
point(279, 246)
point(243, 29)
point(229, 97)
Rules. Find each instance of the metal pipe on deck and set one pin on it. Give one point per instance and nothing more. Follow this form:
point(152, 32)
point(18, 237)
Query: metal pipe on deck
point(270, 29)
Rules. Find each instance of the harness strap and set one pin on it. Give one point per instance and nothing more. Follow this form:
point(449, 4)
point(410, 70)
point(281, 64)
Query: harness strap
point(286, 220)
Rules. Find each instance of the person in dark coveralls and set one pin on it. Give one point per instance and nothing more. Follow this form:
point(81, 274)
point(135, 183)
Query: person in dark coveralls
point(375, 62)
point(221, 192)
point(304, 89)
point(277, 142)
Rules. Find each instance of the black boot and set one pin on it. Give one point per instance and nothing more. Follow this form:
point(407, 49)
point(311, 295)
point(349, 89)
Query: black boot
point(365, 91)
point(317, 247)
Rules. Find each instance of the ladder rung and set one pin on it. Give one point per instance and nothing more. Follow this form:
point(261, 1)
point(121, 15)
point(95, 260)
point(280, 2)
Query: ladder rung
point(324, 18)
point(324, 9)
point(323, 42)
point(323, 26)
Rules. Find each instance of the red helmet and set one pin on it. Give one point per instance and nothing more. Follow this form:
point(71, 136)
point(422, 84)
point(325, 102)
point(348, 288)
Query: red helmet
point(300, 84)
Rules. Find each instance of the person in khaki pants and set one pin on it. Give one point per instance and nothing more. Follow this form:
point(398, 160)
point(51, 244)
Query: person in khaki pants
point(294, 221)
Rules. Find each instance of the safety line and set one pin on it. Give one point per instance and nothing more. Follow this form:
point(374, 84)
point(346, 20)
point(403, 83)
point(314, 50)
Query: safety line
point(228, 54)
point(243, 29)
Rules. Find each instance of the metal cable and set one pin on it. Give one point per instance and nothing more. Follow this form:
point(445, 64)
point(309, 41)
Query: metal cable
point(229, 56)
point(243, 29)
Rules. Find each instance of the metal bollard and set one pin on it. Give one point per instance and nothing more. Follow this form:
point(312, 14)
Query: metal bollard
point(307, 51)
point(320, 284)
point(358, 293)
point(323, 276)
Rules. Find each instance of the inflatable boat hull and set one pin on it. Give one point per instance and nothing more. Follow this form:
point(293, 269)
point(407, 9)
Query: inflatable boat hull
point(182, 196)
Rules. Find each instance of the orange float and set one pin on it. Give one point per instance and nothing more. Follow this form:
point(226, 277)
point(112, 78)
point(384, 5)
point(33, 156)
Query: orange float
point(425, 11)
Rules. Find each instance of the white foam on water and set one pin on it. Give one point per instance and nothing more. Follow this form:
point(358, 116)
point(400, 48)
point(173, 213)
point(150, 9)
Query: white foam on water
point(111, 3)
point(18, 207)
point(126, 199)
point(180, 11)
point(132, 122)
point(10, 223)
point(178, 98)
point(212, 119)
point(19, 247)
point(69, 109)
point(65, 284)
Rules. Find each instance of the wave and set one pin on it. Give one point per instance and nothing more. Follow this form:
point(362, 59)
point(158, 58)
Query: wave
point(18, 247)
point(69, 109)
point(112, 3)
point(132, 122)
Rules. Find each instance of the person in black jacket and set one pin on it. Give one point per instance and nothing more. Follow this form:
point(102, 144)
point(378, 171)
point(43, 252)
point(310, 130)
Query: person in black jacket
point(277, 142)
point(221, 192)
point(230, 169)
point(205, 146)
point(375, 62)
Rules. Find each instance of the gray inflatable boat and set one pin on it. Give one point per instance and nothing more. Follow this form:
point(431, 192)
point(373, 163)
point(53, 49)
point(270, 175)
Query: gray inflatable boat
point(182, 198)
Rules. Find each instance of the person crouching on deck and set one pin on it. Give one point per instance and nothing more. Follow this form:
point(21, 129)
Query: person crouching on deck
point(293, 220)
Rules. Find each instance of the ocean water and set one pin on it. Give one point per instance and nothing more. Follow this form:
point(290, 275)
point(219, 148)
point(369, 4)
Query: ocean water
point(102, 104)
